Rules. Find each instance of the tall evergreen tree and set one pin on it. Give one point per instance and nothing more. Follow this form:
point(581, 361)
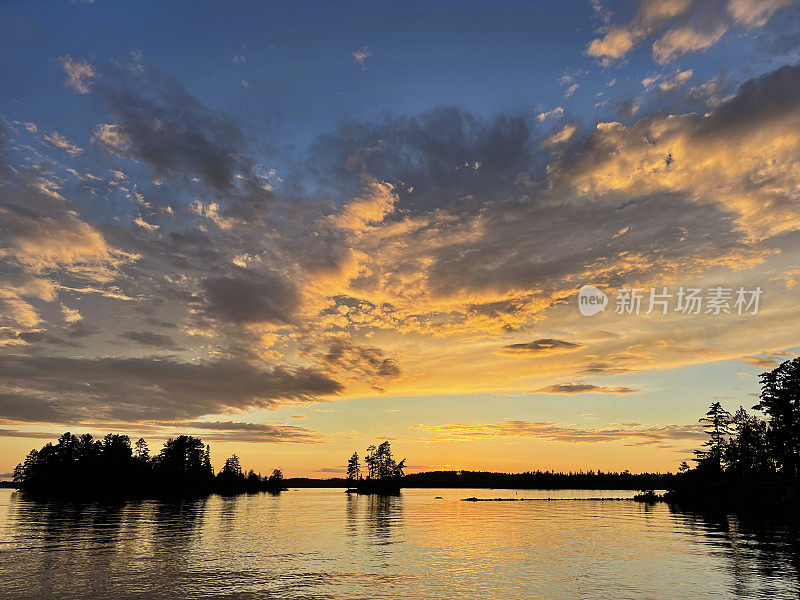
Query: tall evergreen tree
point(780, 399)
point(353, 467)
point(717, 423)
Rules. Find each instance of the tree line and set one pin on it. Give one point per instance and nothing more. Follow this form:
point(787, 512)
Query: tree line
point(82, 465)
point(744, 448)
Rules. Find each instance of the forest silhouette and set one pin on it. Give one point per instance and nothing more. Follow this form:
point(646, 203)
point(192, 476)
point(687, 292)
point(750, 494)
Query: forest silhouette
point(747, 458)
point(82, 465)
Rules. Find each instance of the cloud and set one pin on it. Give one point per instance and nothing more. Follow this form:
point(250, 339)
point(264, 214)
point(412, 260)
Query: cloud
point(555, 113)
point(70, 315)
point(57, 140)
point(158, 122)
point(46, 246)
point(706, 161)
point(235, 431)
point(34, 435)
point(112, 138)
point(80, 74)
point(621, 39)
point(628, 434)
point(360, 57)
point(540, 346)
point(569, 83)
point(767, 360)
point(755, 13)
point(247, 297)
point(561, 136)
point(57, 389)
point(345, 359)
point(682, 26)
point(147, 338)
point(676, 81)
point(683, 40)
point(82, 329)
point(584, 388)
point(358, 213)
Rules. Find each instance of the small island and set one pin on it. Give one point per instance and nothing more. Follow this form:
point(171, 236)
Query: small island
point(384, 474)
point(85, 467)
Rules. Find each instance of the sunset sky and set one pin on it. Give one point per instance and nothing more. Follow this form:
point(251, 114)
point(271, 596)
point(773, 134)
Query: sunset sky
point(299, 228)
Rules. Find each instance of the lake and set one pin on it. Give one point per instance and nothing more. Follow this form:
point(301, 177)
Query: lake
point(323, 543)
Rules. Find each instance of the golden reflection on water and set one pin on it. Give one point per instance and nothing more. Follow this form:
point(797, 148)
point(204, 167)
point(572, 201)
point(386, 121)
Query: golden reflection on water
point(327, 544)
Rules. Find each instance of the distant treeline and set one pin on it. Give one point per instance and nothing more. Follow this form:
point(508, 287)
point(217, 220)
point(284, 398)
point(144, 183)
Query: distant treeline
point(529, 480)
point(112, 466)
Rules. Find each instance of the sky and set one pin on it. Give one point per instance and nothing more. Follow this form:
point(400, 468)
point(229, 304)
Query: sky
point(298, 229)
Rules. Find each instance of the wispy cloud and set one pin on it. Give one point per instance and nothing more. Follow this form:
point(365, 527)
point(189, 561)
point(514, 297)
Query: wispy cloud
point(584, 388)
point(629, 434)
point(360, 56)
point(540, 346)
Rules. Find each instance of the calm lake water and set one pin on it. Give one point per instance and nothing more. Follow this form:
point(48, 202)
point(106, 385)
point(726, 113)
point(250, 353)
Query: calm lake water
point(328, 544)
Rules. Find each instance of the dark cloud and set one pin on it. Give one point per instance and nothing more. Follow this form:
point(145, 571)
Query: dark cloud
point(442, 157)
point(34, 435)
point(40, 337)
point(155, 120)
point(253, 432)
point(64, 390)
point(774, 94)
point(366, 363)
point(161, 123)
point(584, 388)
point(540, 346)
point(251, 297)
point(605, 368)
point(160, 323)
point(81, 329)
point(148, 338)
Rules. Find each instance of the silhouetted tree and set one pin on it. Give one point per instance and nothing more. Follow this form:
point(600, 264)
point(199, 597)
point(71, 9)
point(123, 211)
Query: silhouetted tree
point(181, 463)
point(252, 479)
point(141, 450)
point(780, 399)
point(231, 478)
point(353, 467)
point(717, 424)
point(747, 453)
point(371, 460)
point(384, 462)
point(276, 479)
point(19, 474)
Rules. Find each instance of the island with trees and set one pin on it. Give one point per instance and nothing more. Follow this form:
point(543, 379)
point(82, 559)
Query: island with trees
point(383, 473)
point(112, 466)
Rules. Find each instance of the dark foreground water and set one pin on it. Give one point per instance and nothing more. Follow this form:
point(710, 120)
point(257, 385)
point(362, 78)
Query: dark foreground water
point(327, 544)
